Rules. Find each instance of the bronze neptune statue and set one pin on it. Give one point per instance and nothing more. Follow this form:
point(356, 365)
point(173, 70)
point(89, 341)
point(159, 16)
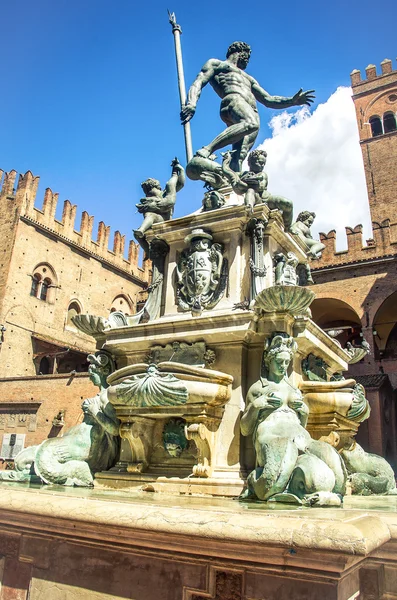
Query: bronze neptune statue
point(239, 93)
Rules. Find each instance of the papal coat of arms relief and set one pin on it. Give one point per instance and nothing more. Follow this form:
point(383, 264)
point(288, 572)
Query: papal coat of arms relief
point(201, 274)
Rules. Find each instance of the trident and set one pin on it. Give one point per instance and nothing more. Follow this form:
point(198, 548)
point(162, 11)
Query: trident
point(177, 30)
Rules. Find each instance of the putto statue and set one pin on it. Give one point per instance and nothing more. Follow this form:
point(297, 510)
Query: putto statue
point(239, 93)
point(253, 184)
point(157, 206)
point(288, 270)
point(85, 449)
point(291, 466)
point(201, 274)
point(301, 228)
point(285, 269)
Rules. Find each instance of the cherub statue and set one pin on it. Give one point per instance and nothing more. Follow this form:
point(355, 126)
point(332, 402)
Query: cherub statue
point(253, 184)
point(288, 271)
point(285, 269)
point(291, 466)
point(157, 206)
point(301, 228)
point(85, 449)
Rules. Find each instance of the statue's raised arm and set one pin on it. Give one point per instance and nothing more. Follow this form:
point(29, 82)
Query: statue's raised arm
point(194, 93)
point(176, 181)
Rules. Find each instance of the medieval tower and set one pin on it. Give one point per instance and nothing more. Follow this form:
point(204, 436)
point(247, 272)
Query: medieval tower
point(375, 100)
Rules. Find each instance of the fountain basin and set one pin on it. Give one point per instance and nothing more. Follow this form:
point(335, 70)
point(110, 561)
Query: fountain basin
point(328, 396)
point(168, 389)
point(285, 298)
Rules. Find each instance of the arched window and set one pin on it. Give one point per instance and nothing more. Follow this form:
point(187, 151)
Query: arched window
point(122, 304)
point(34, 290)
point(73, 310)
point(44, 283)
point(389, 122)
point(376, 126)
point(44, 288)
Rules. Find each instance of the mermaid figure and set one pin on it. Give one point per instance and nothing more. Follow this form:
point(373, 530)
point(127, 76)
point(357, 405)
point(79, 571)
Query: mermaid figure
point(291, 466)
point(85, 449)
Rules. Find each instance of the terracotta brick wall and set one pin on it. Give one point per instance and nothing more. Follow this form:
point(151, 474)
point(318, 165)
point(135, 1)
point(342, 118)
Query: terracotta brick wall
point(363, 287)
point(382, 244)
point(29, 404)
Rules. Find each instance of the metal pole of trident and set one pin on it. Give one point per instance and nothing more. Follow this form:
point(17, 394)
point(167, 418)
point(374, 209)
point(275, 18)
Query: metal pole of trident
point(177, 30)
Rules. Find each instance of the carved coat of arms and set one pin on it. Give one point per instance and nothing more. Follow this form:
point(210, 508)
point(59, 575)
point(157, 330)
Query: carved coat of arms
point(201, 273)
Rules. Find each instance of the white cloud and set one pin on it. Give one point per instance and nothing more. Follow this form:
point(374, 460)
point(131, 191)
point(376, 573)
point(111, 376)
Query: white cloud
point(315, 160)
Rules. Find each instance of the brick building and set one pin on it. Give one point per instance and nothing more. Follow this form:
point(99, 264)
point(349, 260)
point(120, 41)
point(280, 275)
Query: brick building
point(357, 288)
point(48, 273)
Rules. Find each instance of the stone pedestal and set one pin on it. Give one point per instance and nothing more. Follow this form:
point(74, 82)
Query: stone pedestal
point(60, 544)
point(235, 336)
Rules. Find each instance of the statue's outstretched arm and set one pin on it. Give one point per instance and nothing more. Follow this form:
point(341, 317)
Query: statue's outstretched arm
point(177, 179)
point(265, 98)
point(206, 73)
point(173, 186)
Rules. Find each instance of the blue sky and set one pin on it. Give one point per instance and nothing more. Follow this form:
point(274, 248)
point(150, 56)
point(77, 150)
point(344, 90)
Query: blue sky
point(89, 95)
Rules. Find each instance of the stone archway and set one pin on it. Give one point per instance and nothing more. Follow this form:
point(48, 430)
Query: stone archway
point(384, 326)
point(334, 315)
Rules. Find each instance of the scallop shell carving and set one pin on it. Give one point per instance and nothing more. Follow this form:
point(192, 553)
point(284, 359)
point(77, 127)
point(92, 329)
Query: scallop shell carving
point(285, 298)
point(152, 389)
point(117, 319)
point(90, 324)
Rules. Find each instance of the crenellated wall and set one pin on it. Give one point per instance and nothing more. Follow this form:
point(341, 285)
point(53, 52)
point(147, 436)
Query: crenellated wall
point(80, 272)
point(386, 67)
point(384, 243)
point(23, 193)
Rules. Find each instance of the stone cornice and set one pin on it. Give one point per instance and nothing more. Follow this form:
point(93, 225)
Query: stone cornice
point(215, 326)
point(201, 527)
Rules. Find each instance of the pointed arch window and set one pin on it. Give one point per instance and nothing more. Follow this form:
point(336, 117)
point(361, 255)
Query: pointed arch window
point(122, 303)
point(376, 126)
point(389, 122)
point(44, 288)
point(44, 367)
point(34, 290)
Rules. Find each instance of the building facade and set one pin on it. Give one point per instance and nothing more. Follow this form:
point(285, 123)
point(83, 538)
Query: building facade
point(49, 273)
point(357, 288)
